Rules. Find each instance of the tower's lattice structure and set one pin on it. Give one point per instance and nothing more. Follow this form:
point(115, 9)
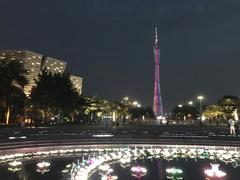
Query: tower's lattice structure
point(157, 102)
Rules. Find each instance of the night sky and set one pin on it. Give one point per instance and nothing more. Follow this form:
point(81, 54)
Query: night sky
point(110, 44)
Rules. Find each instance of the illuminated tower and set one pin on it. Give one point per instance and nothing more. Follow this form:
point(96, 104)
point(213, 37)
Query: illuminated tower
point(157, 102)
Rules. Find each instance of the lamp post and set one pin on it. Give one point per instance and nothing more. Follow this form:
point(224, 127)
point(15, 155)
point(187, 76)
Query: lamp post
point(200, 98)
point(190, 103)
point(135, 103)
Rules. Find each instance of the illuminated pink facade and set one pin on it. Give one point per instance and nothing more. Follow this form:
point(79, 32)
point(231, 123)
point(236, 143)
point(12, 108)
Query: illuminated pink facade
point(157, 103)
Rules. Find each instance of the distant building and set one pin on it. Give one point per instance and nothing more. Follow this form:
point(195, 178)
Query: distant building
point(53, 65)
point(35, 63)
point(77, 83)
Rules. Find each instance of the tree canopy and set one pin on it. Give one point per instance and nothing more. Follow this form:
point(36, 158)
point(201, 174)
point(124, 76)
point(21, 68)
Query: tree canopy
point(185, 112)
point(12, 81)
point(55, 95)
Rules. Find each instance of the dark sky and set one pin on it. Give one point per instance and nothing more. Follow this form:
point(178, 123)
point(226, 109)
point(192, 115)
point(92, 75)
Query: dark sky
point(110, 44)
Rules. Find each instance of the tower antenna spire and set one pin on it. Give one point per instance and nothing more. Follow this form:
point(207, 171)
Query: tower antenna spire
point(156, 36)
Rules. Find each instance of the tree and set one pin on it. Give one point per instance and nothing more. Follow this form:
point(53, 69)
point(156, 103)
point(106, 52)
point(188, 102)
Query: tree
point(12, 81)
point(228, 104)
point(185, 112)
point(96, 108)
point(55, 95)
point(213, 112)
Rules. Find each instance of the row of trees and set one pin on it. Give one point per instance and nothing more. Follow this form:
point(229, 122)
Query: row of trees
point(185, 112)
point(54, 99)
point(98, 109)
point(227, 107)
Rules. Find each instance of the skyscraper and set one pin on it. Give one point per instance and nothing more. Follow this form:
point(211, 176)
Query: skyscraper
point(35, 63)
point(157, 101)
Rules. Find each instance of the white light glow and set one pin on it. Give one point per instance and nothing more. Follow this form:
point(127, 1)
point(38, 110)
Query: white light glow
point(102, 135)
point(214, 171)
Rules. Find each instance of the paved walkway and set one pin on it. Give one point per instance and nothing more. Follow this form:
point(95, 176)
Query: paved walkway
point(15, 138)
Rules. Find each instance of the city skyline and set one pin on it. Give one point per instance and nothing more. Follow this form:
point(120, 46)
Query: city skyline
point(111, 45)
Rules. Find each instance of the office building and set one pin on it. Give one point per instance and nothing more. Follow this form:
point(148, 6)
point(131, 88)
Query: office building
point(34, 64)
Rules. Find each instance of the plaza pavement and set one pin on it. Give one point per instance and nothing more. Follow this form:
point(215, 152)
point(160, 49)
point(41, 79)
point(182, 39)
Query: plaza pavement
point(69, 135)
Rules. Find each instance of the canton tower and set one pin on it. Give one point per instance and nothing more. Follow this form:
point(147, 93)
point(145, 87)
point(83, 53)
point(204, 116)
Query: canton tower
point(157, 101)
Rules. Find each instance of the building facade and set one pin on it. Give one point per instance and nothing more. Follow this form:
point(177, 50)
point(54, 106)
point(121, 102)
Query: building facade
point(53, 65)
point(77, 83)
point(34, 64)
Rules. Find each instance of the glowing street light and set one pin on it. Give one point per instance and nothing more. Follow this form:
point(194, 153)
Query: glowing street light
point(126, 98)
point(190, 103)
point(180, 105)
point(135, 103)
point(200, 98)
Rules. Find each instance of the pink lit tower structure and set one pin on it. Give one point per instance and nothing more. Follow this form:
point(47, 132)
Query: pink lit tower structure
point(157, 101)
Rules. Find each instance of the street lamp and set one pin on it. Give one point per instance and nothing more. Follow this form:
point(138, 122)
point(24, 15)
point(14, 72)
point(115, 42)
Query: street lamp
point(135, 103)
point(200, 98)
point(190, 103)
point(180, 105)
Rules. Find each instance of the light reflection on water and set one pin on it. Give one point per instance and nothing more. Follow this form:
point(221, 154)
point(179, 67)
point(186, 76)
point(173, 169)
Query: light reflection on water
point(191, 160)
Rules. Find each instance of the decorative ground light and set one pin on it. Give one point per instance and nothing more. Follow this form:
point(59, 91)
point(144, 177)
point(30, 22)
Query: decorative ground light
point(109, 177)
point(93, 158)
point(43, 167)
point(214, 171)
point(138, 171)
point(15, 166)
point(174, 173)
